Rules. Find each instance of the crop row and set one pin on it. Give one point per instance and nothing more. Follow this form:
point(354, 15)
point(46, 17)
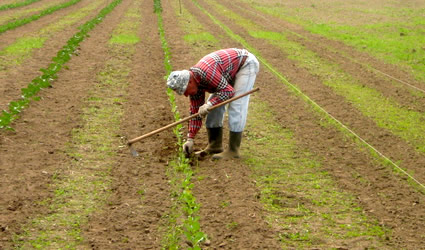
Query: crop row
point(16, 5)
point(89, 181)
point(23, 21)
point(22, 49)
point(270, 151)
point(17, 14)
point(385, 32)
point(350, 133)
point(50, 73)
point(181, 168)
point(183, 172)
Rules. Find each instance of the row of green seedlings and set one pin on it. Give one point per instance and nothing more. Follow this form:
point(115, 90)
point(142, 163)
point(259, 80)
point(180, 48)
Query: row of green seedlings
point(17, 5)
point(384, 160)
point(191, 225)
point(23, 21)
point(50, 73)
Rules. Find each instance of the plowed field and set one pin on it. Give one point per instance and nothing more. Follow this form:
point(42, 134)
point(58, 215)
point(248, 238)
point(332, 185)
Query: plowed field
point(333, 155)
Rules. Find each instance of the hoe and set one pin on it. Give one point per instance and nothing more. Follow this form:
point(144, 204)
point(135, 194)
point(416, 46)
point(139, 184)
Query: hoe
point(130, 142)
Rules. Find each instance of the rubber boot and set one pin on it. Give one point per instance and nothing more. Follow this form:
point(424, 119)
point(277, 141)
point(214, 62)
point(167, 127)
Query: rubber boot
point(232, 151)
point(215, 142)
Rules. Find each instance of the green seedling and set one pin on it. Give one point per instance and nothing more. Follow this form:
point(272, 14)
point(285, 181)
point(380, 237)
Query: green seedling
point(225, 204)
point(23, 21)
point(232, 225)
point(191, 226)
point(50, 73)
point(16, 5)
point(87, 188)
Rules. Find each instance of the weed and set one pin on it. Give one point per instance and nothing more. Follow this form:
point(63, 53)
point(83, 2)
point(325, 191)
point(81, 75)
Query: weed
point(79, 192)
point(196, 35)
point(225, 204)
point(310, 196)
point(232, 225)
point(190, 208)
point(20, 22)
point(390, 33)
point(125, 39)
point(316, 108)
point(16, 5)
point(50, 73)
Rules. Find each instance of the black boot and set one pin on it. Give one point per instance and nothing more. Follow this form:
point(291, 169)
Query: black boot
point(215, 142)
point(232, 151)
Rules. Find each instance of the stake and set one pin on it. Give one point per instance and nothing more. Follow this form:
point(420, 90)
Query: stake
point(130, 142)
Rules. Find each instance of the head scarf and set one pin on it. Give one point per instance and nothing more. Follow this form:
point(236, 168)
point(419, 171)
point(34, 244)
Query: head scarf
point(178, 80)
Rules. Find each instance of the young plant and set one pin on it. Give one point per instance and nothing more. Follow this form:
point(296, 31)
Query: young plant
point(50, 73)
point(16, 5)
point(191, 225)
point(23, 21)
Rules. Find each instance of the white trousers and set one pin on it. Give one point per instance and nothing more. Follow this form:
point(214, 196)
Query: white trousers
point(238, 109)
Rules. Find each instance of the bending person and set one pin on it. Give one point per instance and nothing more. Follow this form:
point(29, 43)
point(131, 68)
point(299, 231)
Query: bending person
point(223, 73)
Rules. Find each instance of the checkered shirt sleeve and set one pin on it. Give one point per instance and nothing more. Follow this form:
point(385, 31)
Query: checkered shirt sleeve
point(216, 72)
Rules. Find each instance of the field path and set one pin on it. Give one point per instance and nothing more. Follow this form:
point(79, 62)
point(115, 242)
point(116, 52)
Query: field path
point(349, 59)
point(68, 179)
point(11, 15)
point(14, 76)
point(34, 155)
point(140, 197)
point(231, 213)
point(386, 196)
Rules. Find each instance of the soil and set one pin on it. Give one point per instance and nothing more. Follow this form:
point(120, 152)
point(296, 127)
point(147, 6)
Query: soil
point(387, 197)
point(17, 77)
point(9, 15)
point(125, 217)
point(32, 154)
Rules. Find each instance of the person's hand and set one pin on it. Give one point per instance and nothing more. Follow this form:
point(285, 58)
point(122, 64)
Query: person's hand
point(203, 110)
point(188, 146)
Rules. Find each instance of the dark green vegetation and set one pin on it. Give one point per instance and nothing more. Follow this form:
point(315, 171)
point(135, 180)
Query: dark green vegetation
point(25, 46)
point(181, 172)
point(387, 114)
point(306, 179)
point(80, 192)
point(20, 22)
point(16, 5)
point(50, 73)
point(391, 33)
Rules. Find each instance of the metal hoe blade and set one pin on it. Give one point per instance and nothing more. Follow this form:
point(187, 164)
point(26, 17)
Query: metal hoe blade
point(133, 151)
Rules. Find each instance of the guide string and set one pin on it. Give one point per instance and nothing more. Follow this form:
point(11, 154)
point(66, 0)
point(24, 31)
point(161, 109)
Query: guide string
point(340, 123)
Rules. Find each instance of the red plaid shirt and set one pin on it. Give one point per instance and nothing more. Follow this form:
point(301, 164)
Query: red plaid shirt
point(214, 73)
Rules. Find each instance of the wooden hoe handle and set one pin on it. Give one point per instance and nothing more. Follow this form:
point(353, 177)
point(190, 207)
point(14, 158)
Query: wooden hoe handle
point(189, 117)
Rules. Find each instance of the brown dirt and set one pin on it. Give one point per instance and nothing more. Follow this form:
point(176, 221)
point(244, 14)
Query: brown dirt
point(244, 208)
point(32, 154)
point(17, 77)
point(9, 13)
point(8, 2)
point(387, 197)
point(221, 182)
point(11, 35)
point(35, 152)
point(350, 60)
point(131, 220)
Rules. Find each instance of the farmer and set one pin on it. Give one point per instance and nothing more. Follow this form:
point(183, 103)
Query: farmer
point(223, 73)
